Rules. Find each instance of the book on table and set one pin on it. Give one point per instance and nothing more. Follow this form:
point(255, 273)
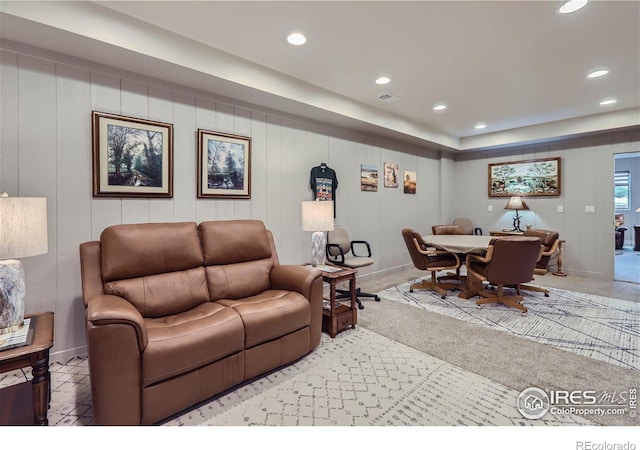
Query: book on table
point(20, 337)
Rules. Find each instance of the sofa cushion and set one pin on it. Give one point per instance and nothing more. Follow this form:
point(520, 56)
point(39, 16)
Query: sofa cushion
point(184, 342)
point(138, 250)
point(271, 315)
point(164, 294)
point(234, 281)
point(234, 241)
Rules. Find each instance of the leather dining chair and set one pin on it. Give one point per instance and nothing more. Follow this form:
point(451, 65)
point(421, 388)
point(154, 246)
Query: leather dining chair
point(509, 261)
point(457, 230)
point(430, 260)
point(467, 226)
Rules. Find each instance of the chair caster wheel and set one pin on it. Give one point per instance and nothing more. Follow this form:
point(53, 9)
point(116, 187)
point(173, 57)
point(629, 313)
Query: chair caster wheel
point(443, 296)
point(523, 313)
point(360, 306)
point(410, 290)
point(546, 295)
point(377, 298)
point(479, 306)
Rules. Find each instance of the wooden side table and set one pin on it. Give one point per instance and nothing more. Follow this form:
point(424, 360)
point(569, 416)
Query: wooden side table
point(505, 233)
point(337, 317)
point(15, 400)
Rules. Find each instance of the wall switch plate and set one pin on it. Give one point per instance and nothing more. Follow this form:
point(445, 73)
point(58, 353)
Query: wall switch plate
point(490, 208)
point(560, 208)
point(590, 209)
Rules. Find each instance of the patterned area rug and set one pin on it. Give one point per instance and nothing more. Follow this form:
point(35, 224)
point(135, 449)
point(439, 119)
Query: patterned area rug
point(602, 328)
point(362, 378)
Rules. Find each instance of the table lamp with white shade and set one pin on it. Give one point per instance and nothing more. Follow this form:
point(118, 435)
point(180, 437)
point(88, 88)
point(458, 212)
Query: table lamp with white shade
point(23, 232)
point(317, 216)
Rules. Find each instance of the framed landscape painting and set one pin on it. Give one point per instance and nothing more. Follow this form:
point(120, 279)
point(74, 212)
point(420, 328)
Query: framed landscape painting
point(131, 157)
point(224, 165)
point(534, 177)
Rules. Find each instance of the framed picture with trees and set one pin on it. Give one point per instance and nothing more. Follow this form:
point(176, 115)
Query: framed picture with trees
point(534, 177)
point(131, 157)
point(224, 165)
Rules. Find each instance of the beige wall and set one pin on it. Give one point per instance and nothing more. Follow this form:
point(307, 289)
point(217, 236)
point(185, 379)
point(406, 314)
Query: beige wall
point(45, 150)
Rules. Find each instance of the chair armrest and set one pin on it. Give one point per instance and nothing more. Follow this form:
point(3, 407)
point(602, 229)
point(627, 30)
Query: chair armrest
point(488, 256)
point(104, 310)
point(552, 250)
point(294, 278)
point(435, 252)
point(332, 258)
point(477, 231)
point(353, 248)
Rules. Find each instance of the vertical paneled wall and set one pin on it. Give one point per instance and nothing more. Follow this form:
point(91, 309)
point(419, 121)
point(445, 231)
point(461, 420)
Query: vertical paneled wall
point(587, 180)
point(45, 150)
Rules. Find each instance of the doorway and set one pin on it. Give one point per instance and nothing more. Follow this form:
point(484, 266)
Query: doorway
point(626, 265)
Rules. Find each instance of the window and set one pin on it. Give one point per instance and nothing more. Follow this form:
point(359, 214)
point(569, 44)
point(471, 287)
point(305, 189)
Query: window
point(621, 193)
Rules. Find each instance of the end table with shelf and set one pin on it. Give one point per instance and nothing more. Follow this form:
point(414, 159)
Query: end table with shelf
point(337, 317)
point(27, 403)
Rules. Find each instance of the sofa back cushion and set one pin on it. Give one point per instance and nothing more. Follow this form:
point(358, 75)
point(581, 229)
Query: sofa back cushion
point(156, 266)
point(238, 257)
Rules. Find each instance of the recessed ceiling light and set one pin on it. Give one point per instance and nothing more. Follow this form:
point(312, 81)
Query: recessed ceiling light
point(383, 80)
point(572, 6)
point(440, 107)
point(296, 39)
point(608, 101)
point(480, 126)
point(598, 73)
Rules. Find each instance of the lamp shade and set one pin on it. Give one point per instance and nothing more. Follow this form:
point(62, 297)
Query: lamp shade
point(317, 215)
point(638, 210)
point(516, 203)
point(23, 226)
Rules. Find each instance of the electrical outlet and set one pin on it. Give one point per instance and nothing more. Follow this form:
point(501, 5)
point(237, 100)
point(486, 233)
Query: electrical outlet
point(590, 209)
point(560, 208)
point(490, 208)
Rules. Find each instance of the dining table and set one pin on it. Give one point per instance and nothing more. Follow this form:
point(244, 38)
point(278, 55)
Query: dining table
point(462, 244)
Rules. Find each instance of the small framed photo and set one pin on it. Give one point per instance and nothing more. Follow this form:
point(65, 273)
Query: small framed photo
point(368, 177)
point(390, 175)
point(224, 165)
point(131, 157)
point(409, 182)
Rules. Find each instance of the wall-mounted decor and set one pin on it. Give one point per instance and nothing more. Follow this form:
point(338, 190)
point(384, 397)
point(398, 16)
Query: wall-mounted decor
point(368, 177)
point(534, 177)
point(224, 165)
point(390, 175)
point(131, 157)
point(409, 182)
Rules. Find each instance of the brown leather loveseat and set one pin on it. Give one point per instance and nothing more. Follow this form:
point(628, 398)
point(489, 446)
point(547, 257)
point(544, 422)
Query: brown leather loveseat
point(179, 312)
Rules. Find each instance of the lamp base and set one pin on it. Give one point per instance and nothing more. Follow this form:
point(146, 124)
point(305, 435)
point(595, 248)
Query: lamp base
point(12, 292)
point(318, 244)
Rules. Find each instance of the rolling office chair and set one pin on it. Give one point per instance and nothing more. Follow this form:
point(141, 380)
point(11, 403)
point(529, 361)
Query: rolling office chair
point(467, 226)
point(341, 252)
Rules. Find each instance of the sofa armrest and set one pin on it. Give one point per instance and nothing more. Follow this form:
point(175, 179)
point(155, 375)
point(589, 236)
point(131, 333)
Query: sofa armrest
point(111, 309)
point(308, 282)
point(294, 278)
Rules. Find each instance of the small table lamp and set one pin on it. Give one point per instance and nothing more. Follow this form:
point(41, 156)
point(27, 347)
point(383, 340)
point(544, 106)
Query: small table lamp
point(23, 232)
point(317, 216)
point(516, 203)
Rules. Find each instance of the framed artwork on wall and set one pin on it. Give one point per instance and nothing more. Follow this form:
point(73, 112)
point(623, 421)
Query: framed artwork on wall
point(533, 177)
point(224, 165)
point(131, 157)
point(390, 175)
point(409, 182)
point(368, 177)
